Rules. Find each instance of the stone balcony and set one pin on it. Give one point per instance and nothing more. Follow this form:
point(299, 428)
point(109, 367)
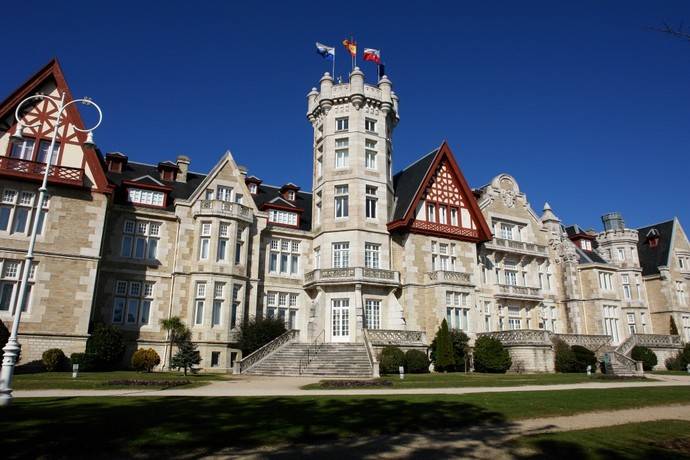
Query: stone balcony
point(510, 291)
point(351, 275)
point(519, 247)
point(449, 277)
point(220, 208)
point(34, 171)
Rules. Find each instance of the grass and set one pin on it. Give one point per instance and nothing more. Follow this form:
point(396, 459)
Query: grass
point(193, 427)
point(450, 380)
point(668, 439)
point(99, 380)
point(671, 372)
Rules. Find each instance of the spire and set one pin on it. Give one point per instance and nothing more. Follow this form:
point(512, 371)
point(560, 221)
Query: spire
point(548, 215)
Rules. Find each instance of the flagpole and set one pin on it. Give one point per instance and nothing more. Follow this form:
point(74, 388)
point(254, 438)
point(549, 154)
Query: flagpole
point(333, 64)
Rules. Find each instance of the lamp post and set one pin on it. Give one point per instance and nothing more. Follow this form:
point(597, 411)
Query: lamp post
point(11, 350)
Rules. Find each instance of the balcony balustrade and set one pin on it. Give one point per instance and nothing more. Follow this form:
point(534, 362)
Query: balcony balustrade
point(351, 275)
point(220, 208)
point(519, 292)
point(34, 170)
point(521, 247)
point(445, 276)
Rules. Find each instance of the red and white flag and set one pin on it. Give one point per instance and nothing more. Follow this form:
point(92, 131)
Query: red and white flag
point(370, 54)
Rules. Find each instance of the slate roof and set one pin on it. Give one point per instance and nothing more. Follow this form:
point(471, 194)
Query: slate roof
point(407, 181)
point(134, 170)
point(266, 193)
point(589, 257)
point(652, 258)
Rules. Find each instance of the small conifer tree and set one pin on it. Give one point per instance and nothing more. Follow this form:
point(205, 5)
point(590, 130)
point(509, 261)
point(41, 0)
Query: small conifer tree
point(444, 349)
point(187, 355)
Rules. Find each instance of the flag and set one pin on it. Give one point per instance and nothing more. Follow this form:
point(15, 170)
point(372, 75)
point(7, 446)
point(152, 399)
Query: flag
point(370, 54)
point(351, 47)
point(326, 52)
point(382, 70)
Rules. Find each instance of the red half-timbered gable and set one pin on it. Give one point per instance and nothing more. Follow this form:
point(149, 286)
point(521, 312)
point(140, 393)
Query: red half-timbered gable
point(444, 204)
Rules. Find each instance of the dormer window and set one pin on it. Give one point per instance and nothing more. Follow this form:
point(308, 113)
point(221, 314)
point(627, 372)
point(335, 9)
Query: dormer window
point(290, 195)
point(253, 188)
point(116, 161)
point(586, 245)
point(282, 217)
point(653, 238)
point(168, 170)
point(146, 197)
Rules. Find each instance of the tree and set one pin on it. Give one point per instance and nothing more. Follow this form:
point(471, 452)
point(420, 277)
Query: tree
point(565, 359)
point(187, 355)
point(646, 355)
point(175, 329)
point(145, 359)
point(673, 329)
point(107, 345)
point(444, 359)
point(257, 332)
point(679, 32)
point(491, 356)
point(459, 342)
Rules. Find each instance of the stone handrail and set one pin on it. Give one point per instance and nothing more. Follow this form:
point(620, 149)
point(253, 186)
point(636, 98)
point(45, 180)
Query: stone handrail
point(250, 360)
point(373, 360)
point(395, 337)
point(520, 337)
point(445, 275)
point(512, 289)
point(650, 341)
point(354, 274)
point(224, 209)
point(635, 367)
point(591, 342)
point(519, 245)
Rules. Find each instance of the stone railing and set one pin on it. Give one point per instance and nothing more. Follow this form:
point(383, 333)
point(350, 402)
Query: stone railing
point(650, 341)
point(516, 246)
point(351, 275)
point(613, 360)
point(591, 342)
point(520, 337)
point(526, 292)
point(250, 360)
point(371, 354)
point(449, 276)
point(223, 209)
point(385, 337)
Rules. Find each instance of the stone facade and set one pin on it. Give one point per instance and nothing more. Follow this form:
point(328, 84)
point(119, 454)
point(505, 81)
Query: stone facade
point(364, 249)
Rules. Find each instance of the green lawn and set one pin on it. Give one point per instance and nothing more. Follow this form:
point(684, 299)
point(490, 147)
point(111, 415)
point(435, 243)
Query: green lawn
point(671, 373)
point(450, 380)
point(176, 427)
point(668, 439)
point(99, 380)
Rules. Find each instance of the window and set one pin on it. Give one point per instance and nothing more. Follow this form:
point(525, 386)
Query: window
point(43, 152)
point(372, 314)
point(638, 287)
point(611, 322)
point(341, 201)
point(341, 124)
point(341, 255)
point(341, 153)
point(370, 154)
point(545, 276)
point(606, 281)
point(507, 231)
point(685, 320)
point(205, 240)
point(370, 201)
point(253, 188)
point(199, 303)
point(215, 358)
point(147, 197)
point(224, 193)
point(291, 195)
point(631, 322)
point(371, 255)
point(282, 305)
point(548, 318)
point(680, 291)
point(10, 279)
point(457, 310)
point(454, 216)
point(283, 256)
point(239, 243)
point(282, 217)
point(218, 296)
point(223, 233)
point(431, 212)
point(442, 256)
point(140, 239)
point(236, 302)
point(487, 316)
point(370, 125)
point(643, 321)
point(510, 277)
point(621, 254)
point(132, 303)
point(18, 210)
point(318, 210)
point(23, 149)
point(514, 319)
point(627, 293)
point(319, 167)
point(317, 257)
point(586, 245)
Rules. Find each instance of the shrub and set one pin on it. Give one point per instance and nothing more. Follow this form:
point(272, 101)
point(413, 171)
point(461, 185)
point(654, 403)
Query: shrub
point(680, 361)
point(390, 360)
point(673, 363)
point(416, 362)
point(444, 359)
point(491, 356)
point(647, 356)
point(564, 357)
point(257, 332)
point(584, 357)
point(107, 345)
point(459, 343)
point(54, 359)
point(145, 359)
point(87, 361)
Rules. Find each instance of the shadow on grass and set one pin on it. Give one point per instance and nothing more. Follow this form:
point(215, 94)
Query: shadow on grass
point(195, 427)
point(548, 449)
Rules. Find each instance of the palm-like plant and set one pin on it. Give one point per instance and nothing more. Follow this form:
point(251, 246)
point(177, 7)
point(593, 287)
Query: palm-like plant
point(176, 331)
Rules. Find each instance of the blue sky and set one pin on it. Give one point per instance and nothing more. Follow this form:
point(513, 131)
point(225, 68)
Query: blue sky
point(585, 106)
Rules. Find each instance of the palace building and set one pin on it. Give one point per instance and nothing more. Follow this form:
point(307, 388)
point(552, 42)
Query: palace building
point(366, 256)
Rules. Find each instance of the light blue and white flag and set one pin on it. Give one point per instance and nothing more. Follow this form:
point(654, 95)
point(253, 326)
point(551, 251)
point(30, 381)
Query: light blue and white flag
point(326, 52)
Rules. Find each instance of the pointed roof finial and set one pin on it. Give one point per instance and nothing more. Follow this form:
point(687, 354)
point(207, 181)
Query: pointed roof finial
point(549, 214)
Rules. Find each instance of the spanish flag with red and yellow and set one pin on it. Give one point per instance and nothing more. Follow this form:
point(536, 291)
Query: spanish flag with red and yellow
point(350, 46)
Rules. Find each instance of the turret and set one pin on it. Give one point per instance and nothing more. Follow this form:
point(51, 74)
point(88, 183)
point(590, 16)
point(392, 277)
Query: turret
point(613, 221)
point(357, 88)
point(326, 93)
point(550, 220)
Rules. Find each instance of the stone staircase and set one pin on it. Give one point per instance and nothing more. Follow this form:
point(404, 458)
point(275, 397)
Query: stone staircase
point(331, 360)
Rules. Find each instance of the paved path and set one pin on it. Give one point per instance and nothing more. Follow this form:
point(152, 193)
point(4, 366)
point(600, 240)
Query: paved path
point(290, 386)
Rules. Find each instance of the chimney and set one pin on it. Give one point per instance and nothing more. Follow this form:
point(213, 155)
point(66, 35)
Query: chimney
point(116, 161)
point(183, 164)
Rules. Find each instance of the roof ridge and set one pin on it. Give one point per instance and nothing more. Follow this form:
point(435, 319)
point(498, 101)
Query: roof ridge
point(278, 188)
point(658, 223)
point(433, 152)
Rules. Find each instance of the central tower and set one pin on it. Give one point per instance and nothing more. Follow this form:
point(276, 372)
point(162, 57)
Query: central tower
point(352, 203)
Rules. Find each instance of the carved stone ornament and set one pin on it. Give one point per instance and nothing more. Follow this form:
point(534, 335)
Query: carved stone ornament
point(508, 197)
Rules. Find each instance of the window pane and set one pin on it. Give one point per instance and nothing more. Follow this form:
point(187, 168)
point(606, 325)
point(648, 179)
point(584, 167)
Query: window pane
point(126, 246)
point(139, 248)
point(4, 217)
point(20, 217)
point(118, 310)
point(132, 306)
point(152, 248)
point(6, 296)
point(145, 311)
